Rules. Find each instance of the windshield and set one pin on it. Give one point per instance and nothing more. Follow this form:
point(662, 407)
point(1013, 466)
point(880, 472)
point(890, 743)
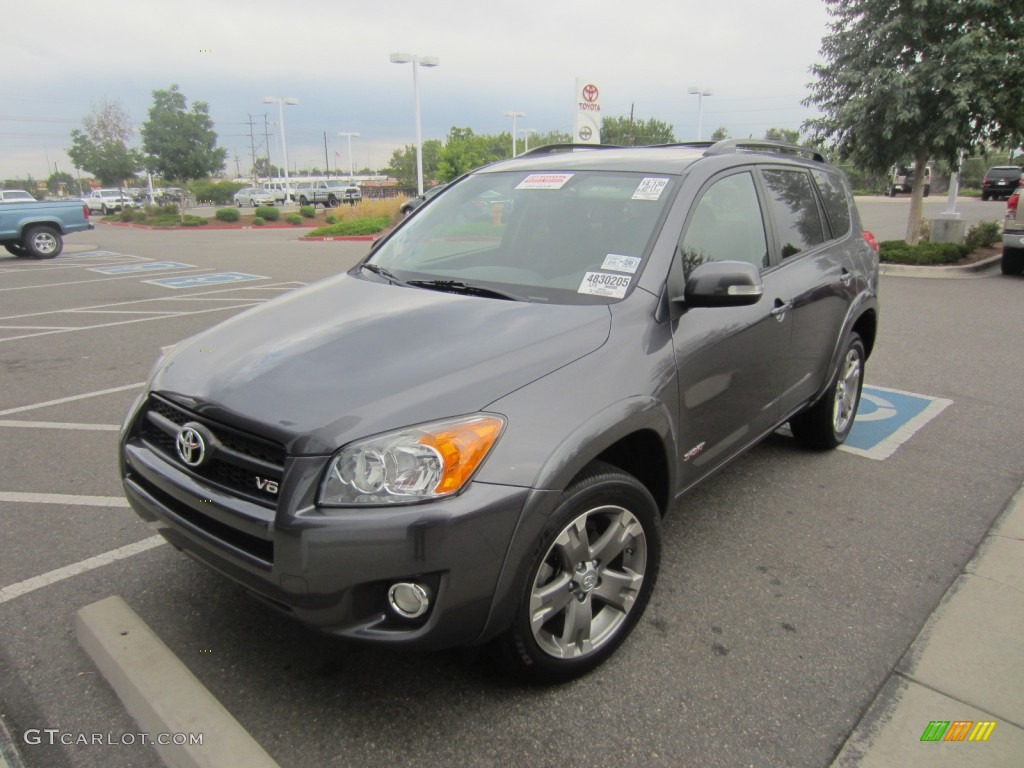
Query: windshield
point(559, 237)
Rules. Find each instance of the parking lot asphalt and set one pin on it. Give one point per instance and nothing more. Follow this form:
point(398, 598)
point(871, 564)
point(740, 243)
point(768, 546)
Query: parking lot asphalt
point(800, 594)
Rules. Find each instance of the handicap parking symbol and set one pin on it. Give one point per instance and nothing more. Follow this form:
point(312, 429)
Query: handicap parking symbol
point(887, 418)
point(198, 281)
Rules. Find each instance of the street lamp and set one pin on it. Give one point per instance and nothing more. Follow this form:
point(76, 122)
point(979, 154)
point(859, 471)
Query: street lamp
point(700, 93)
point(281, 101)
point(514, 115)
point(416, 61)
point(349, 134)
point(526, 137)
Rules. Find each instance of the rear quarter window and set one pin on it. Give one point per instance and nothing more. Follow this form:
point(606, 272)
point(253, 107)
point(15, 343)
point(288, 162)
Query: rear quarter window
point(837, 202)
point(794, 210)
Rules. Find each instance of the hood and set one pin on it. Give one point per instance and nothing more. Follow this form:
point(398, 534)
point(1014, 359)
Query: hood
point(348, 357)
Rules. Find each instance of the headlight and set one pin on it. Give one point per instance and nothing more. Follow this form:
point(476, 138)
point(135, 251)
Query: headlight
point(423, 462)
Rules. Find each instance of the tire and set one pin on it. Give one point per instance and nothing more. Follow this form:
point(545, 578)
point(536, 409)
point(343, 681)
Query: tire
point(332, 202)
point(104, 210)
point(984, 197)
point(43, 242)
point(927, 191)
point(303, 201)
point(827, 423)
point(593, 571)
point(1012, 262)
point(17, 249)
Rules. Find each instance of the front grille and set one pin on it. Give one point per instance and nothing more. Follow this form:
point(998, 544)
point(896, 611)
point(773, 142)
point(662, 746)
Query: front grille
point(239, 463)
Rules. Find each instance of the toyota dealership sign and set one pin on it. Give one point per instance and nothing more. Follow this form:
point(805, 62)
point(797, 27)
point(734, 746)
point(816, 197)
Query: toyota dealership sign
point(587, 125)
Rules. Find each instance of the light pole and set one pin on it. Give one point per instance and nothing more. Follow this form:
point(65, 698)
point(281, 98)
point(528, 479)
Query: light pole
point(416, 61)
point(514, 115)
point(281, 101)
point(526, 137)
point(349, 134)
point(700, 93)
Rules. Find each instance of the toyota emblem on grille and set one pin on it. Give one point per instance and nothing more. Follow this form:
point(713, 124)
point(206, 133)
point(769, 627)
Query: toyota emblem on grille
point(191, 446)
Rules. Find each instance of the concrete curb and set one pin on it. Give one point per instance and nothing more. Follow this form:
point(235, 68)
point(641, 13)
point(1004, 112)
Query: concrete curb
point(161, 693)
point(967, 270)
point(965, 668)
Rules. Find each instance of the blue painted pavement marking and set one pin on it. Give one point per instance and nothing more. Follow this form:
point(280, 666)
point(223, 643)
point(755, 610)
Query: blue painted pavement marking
point(887, 418)
point(149, 266)
point(198, 281)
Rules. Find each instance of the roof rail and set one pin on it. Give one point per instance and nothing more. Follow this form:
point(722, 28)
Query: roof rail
point(725, 146)
point(550, 149)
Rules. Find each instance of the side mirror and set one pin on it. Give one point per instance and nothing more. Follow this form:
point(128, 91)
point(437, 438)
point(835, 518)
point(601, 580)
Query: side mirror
point(723, 284)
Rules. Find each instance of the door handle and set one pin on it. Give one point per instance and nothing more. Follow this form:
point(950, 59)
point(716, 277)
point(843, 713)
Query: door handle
point(846, 278)
point(780, 309)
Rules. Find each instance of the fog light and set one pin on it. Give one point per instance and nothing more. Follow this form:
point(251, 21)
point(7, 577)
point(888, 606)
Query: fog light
point(408, 600)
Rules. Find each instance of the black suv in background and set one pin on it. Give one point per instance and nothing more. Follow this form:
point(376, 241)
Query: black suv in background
point(472, 436)
point(1000, 182)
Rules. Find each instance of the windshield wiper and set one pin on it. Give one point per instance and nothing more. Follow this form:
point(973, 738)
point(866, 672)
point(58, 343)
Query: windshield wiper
point(383, 272)
point(457, 286)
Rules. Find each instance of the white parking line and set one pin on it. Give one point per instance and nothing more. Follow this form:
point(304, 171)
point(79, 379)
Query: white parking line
point(59, 425)
point(71, 399)
point(66, 499)
point(83, 566)
point(93, 280)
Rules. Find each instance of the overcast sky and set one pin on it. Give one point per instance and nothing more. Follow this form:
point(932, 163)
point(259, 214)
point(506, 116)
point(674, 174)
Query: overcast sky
point(65, 57)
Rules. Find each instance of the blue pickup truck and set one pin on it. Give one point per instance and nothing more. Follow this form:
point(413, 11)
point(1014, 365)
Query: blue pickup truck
point(36, 230)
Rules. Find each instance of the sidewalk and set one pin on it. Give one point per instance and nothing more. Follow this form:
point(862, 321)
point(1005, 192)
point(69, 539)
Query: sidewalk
point(966, 667)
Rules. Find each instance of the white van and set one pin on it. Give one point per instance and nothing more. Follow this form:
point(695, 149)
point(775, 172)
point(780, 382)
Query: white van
point(901, 179)
point(281, 191)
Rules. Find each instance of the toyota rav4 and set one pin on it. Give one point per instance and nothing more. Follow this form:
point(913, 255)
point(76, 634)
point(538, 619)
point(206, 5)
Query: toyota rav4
point(472, 436)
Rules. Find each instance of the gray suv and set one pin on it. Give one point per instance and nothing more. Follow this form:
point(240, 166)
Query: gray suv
point(472, 436)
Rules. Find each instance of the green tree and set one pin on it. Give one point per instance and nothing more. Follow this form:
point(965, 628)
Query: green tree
point(464, 150)
point(721, 132)
point(179, 143)
point(62, 183)
point(914, 80)
point(263, 168)
point(788, 135)
point(403, 163)
point(101, 147)
point(627, 132)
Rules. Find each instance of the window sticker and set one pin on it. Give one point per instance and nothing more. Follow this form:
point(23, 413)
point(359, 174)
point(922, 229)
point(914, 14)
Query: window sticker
point(619, 263)
point(650, 189)
point(544, 181)
point(603, 284)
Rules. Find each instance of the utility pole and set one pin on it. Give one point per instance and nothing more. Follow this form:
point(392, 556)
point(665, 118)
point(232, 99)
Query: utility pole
point(629, 136)
point(327, 160)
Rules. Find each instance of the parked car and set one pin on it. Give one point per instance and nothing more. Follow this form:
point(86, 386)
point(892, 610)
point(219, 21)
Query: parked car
point(15, 196)
point(33, 229)
point(108, 200)
point(1000, 182)
point(1012, 261)
point(253, 196)
point(901, 179)
point(282, 192)
point(473, 439)
point(413, 203)
point(330, 193)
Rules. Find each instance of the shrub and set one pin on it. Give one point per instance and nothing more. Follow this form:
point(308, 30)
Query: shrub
point(127, 214)
point(984, 234)
point(293, 218)
point(366, 226)
point(228, 214)
point(258, 220)
point(898, 252)
point(188, 220)
point(331, 218)
point(308, 211)
point(268, 213)
point(216, 192)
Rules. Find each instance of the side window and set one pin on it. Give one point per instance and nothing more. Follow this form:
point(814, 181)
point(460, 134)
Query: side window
point(837, 204)
point(726, 225)
point(794, 210)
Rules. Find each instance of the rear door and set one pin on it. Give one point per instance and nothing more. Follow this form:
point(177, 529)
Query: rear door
point(818, 257)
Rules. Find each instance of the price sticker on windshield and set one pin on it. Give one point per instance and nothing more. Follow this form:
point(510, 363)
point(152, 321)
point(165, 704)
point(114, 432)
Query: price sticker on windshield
point(544, 181)
point(603, 284)
point(650, 189)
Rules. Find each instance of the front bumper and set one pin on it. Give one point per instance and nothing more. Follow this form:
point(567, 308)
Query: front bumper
point(331, 568)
